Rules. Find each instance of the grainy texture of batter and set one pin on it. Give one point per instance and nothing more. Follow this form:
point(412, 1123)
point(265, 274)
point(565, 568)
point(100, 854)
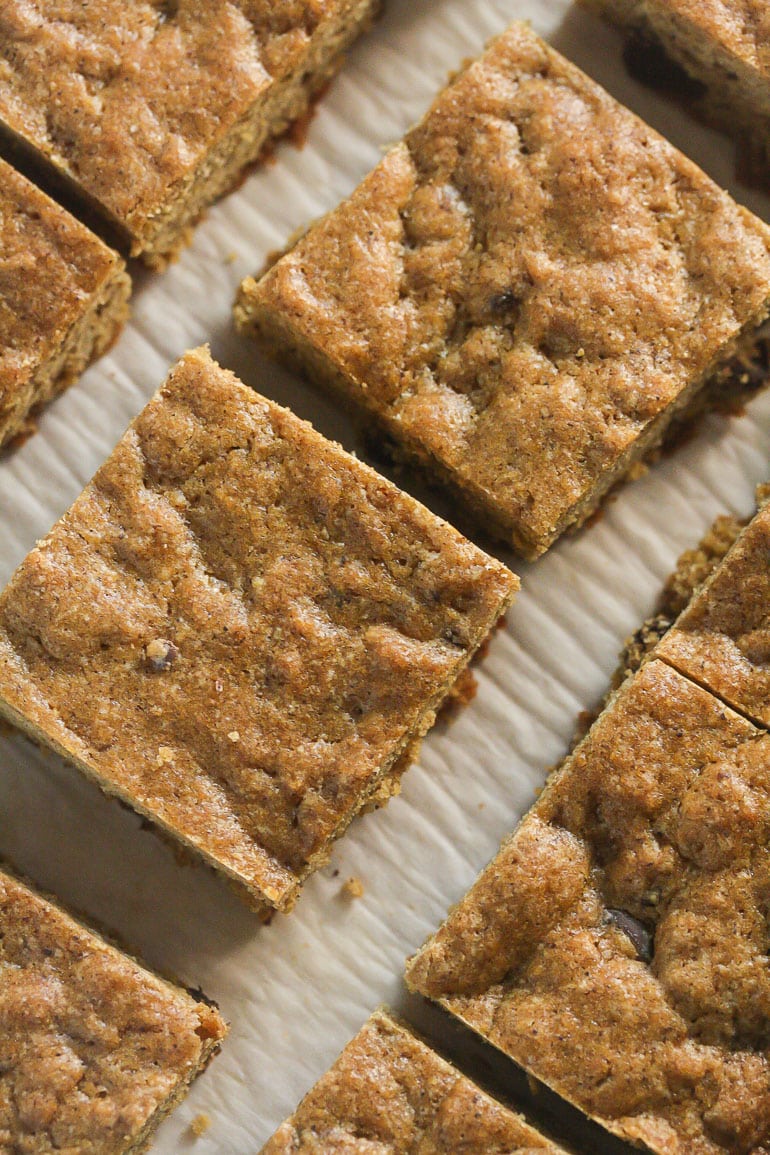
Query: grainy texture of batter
point(617, 945)
point(523, 293)
point(239, 629)
point(390, 1094)
point(94, 1050)
point(722, 639)
point(154, 107)
point(63, 298)
point(723, 46)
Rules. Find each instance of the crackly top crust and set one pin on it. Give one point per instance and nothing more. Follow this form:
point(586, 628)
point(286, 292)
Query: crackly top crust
point(658, 824)
point(722, 639)
point(50, 268)
point(128, 98)
point(390, 1094)
point(524, 284)
point(238, 626)
point(91, 1044)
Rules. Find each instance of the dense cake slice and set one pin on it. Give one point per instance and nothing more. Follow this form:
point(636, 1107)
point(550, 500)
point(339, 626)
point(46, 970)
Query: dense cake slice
point(241, 630)
point(389, 1092)
point(722, 638)
point(617, 945)
point(94, 1049)
point(153, 108)
point(722, 48)
point(63, 298)
point(523, 294)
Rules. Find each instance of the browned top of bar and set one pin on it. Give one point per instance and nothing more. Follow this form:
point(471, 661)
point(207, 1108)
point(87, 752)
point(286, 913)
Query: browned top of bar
point(50, 268)
point(617, 946)
point(722, 639)
point(740, 26)
point(91, 1044)
point(525, 283)
point(129, 98)
point(389, 1092)
point(238, 626)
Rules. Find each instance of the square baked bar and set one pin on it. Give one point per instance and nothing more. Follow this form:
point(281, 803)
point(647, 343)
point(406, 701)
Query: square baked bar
point(63, 299)
point(617, 946)
point(154, 108)
point(523, 294)
point(723, 50)
point(722, 638)
point(94, 1049)
point(389, 1092)
point(240, 630)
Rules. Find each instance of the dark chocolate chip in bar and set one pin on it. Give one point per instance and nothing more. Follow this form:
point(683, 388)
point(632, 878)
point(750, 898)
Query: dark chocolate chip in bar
point(636, 932)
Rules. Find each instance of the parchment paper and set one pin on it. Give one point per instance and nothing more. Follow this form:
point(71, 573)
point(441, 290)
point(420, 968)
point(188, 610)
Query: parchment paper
point(296, 991)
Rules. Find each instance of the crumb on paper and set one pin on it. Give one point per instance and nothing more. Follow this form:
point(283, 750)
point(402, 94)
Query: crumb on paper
point(200, 1125)
point(231, 257)
point(353, 888)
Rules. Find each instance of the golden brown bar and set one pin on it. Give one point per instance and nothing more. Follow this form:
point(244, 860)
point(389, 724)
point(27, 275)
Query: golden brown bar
point(722, 639)
point(94, 1049)
point(154, 108)
point(523, 294)
point(723, 50)
point(388, 1091)
point(63, 298)
point(240, 630)
point(617, 946)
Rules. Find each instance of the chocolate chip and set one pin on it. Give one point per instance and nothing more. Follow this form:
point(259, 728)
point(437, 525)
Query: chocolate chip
point(503, 302)
point(160, 655)
point(635, 931)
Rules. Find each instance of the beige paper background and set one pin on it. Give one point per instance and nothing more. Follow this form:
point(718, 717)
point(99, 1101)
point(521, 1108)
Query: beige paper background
point(297, 990)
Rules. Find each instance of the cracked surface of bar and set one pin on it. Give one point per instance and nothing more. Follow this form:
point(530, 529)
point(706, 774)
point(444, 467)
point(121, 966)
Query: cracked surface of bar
point(241, 630)
point(617, 946)
point(523, 294)
point(154, 108)
point(94, 1049)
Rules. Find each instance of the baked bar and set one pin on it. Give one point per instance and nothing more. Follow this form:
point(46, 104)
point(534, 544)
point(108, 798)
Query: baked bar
point(617, 945)
point(722, 48)
point(63, 298)
point(523, 294)
point(94, 1049)
point(240, 630)
point(388, 1091)
point(722, 638)
point(154, 108)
